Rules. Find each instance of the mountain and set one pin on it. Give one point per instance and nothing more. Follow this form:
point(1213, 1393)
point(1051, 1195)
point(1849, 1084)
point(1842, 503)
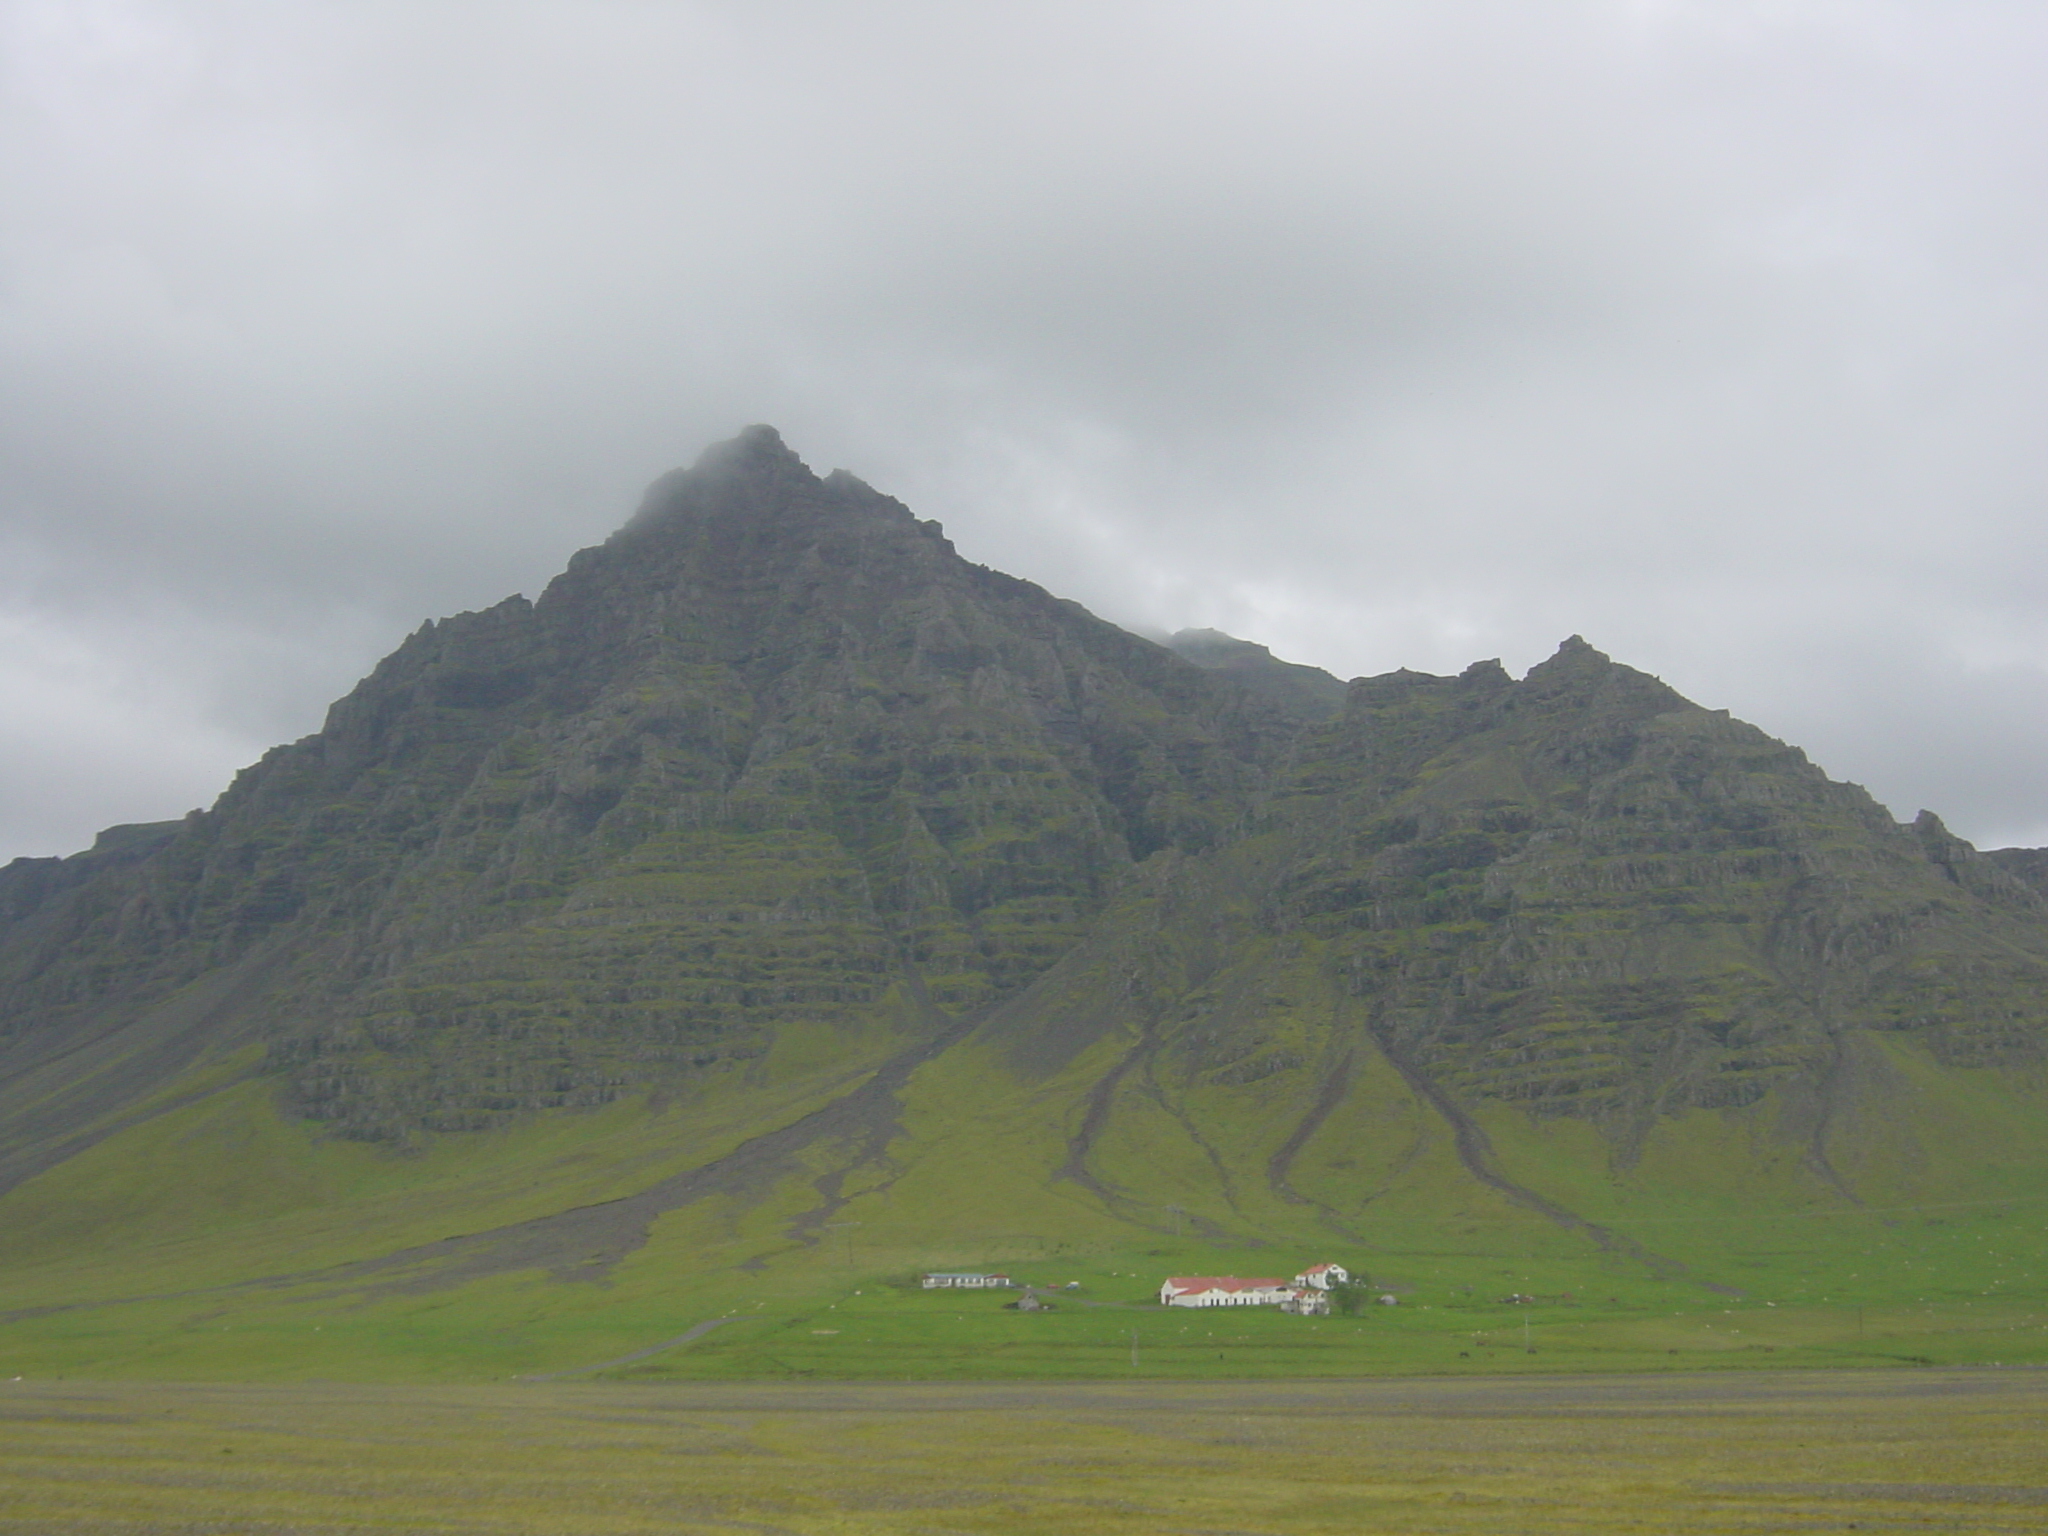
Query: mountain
point(1309, 693)
point(777, 862)
point(772, 755)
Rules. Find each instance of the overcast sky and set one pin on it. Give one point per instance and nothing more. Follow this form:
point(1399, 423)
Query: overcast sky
point(1385, 334)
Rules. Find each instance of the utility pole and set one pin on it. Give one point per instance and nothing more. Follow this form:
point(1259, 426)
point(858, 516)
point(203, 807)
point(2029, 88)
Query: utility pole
point(849, 1225)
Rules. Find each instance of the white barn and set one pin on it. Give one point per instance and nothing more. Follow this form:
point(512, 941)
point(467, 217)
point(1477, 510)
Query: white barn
point(1222, 1291)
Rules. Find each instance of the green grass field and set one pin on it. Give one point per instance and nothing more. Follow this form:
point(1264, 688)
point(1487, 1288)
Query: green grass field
point(1851, 1302)
point(1732, 1452)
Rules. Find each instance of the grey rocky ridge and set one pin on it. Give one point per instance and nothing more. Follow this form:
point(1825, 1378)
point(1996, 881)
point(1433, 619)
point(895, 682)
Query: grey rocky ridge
point(775, 790)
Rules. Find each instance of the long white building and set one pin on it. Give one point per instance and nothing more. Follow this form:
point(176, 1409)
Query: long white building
point(1222, 1291)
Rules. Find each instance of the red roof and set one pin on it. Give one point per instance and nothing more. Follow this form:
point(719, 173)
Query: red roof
point(1187, 1283)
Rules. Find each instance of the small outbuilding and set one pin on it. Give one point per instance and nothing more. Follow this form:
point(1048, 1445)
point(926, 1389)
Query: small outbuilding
point(1323, 1276)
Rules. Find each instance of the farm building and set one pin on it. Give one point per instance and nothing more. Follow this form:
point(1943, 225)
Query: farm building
point(962, 1279)
point(1221, 1291)
point(1307, 1301)
point(1323, 1276)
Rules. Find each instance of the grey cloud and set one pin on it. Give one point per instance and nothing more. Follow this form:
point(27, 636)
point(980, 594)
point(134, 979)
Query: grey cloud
point(1393, 334)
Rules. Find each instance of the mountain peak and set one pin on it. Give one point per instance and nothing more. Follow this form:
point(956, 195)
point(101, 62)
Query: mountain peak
point(753, 470)
point(1575, 648)
point(1212, 647)
point(1305, 692)
point(1573, 661)
point(752, 448)
point(1582, 673)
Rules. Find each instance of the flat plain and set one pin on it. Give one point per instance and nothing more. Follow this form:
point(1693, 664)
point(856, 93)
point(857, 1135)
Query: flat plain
point(1738, 1452)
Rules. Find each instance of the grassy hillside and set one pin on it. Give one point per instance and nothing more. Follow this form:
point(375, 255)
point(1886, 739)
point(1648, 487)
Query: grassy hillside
point(224, 1239)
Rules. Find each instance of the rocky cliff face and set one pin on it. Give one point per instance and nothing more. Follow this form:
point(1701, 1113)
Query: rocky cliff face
point(773, 754)
point(774, 763)
point(1582, 893)
point(1578, 896)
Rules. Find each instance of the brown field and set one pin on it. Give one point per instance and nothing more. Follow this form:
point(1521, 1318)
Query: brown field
point(1894, 1451)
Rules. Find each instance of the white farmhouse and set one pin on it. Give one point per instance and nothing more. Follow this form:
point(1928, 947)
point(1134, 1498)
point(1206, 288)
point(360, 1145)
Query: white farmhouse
point(1221, 1291)
point(1323, 1276)
point(961, 1279)
point(1307, 1301)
